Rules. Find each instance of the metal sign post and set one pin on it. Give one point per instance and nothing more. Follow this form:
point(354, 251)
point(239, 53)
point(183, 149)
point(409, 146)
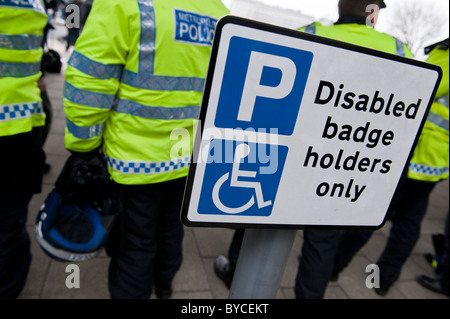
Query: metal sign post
point(262, 260)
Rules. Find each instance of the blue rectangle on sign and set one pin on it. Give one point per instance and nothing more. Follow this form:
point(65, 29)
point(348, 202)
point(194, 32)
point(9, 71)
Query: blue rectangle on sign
point(235, 181)
point(263, 86)
point(194, 28)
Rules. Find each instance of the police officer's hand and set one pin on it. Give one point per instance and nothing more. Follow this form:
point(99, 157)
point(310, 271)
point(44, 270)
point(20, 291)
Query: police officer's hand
point(87, 169)
point(84, 174)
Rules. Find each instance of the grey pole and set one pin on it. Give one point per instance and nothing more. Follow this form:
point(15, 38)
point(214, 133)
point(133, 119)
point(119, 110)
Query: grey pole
point(261, 263)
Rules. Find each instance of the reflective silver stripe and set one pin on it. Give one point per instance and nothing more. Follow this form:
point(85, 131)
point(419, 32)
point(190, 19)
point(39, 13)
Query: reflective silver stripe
point(310, 29)
point(148, 168)
point(428, 170)
point(19, 111)
point(34, 5)
point(20, 42)
point(438, 120)
point(144, 78)
point(84, 132)
point(157, 112)
point(147, 42)
point(400, 50)
point(88, 98)
point(94, 68)
point(162, 83)
point(16, 70)
point(443, 100)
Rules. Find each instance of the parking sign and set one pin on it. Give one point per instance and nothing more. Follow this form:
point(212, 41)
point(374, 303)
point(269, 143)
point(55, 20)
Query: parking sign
point(301, 131)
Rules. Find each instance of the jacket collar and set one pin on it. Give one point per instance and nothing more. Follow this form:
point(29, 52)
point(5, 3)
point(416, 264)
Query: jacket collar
point(348, 19)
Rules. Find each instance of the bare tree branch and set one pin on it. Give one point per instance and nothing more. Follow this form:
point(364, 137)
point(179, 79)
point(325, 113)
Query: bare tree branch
point(414, 22)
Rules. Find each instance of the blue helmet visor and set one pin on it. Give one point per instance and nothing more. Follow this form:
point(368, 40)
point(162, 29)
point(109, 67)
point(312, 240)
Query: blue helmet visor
point(78, 229)
point(71, 232)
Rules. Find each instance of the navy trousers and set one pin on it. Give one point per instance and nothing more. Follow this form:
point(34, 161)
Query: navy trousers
point(328, 252)
point(15, 257)
point(21, 163)
point(409, 208)
point(145, 244)
point(316, 263)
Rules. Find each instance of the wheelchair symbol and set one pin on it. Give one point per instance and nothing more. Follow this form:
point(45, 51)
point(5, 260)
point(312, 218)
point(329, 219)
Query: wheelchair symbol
point(242, 151)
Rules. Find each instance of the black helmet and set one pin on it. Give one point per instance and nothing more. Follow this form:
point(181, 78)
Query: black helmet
point(70, 231)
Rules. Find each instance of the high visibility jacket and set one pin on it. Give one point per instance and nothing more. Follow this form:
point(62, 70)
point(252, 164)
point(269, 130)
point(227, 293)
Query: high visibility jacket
point(134, 84)
point(21, 30)
point(362, 35)
point(430, 161)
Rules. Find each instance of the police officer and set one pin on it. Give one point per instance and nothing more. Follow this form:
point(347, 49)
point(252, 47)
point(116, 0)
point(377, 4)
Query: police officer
point(133, 91)
point(439, 54)
point(355, 25)
point(21, 121)
point(428, 166)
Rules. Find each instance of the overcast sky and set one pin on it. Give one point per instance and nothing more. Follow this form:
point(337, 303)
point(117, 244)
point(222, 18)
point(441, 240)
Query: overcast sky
point(327, 9)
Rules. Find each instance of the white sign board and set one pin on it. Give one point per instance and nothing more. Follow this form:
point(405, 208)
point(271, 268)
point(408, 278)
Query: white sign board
point(301, 131)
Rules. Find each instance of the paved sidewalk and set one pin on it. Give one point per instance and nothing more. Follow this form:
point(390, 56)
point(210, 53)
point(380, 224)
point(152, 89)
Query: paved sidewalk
point(196, 278)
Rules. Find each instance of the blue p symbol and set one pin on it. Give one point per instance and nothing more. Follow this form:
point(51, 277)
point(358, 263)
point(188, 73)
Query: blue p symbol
point(263, 86)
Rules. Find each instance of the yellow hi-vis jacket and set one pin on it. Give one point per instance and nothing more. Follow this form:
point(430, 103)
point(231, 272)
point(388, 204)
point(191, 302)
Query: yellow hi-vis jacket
point(134, 84)
point(21, 30)
point(430, 161)
point(360, 34)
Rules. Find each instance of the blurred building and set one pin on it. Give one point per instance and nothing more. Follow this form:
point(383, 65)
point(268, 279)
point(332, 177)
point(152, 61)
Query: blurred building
point(256, 10)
